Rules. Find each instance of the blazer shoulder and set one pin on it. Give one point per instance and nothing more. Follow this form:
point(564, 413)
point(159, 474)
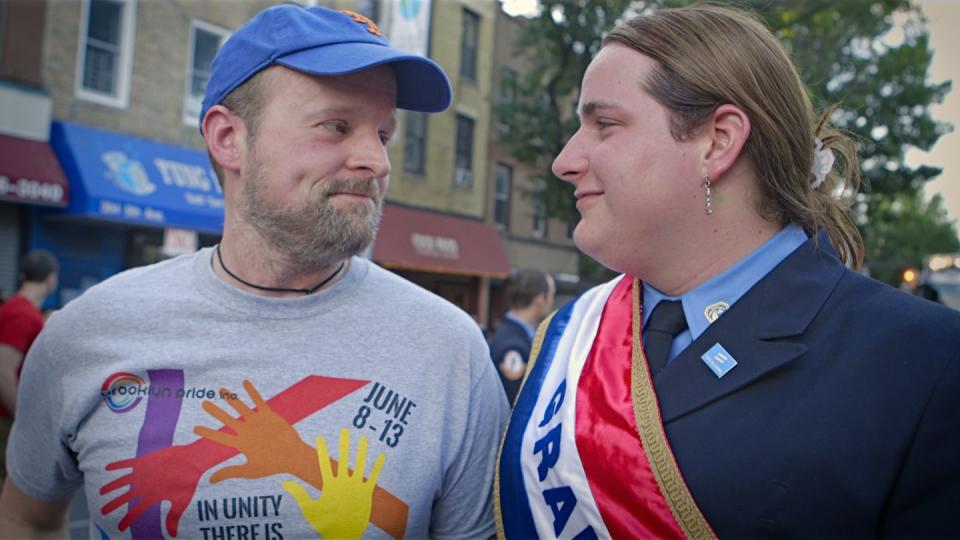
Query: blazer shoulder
point(882, 307)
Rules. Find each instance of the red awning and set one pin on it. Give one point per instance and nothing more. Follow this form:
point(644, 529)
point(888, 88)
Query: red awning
point(30, 173)
point(412, 239)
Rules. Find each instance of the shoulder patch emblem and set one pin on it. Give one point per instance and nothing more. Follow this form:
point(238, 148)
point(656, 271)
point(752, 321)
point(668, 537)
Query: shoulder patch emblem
point(363, 19)
point(513, 365)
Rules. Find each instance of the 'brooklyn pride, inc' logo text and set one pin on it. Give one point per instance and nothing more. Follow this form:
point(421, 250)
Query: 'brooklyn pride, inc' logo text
point(123, 391)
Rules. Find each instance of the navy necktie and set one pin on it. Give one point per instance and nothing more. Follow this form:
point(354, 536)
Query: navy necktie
point(665, 323)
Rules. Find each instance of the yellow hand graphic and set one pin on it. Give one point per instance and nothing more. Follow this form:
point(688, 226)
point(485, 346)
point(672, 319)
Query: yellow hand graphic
point(343, 508)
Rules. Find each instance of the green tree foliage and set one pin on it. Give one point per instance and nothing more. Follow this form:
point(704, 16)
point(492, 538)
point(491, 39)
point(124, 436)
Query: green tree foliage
point(849, 53)
point(905, 229)
point(844, 53)
point(558, 44)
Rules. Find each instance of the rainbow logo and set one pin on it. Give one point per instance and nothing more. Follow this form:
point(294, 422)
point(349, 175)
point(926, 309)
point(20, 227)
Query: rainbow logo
point(122, 391)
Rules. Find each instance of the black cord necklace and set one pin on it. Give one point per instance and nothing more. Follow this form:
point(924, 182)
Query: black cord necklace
point(276, 289)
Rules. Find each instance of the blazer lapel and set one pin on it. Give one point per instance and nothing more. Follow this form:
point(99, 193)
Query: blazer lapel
point(781, 305)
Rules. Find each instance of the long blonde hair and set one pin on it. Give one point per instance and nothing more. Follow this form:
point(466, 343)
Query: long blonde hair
point(711, 55)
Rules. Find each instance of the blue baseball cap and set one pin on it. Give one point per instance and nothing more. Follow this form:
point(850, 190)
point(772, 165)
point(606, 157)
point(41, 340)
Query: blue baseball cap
point(321, 41)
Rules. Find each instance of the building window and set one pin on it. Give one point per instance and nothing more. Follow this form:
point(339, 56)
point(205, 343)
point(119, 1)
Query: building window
point(463, 161)
point(415, 143)
point(105, 54)
point(3, 26)
point(539, 225)
point(501, 196)
point(468, 45)
point(507, 93)
point(508, 85)
point(206, 40)
point(539, 220)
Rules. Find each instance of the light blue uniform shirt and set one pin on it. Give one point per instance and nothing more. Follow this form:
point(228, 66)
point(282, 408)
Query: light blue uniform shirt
point(523, 324)
point(727, 286)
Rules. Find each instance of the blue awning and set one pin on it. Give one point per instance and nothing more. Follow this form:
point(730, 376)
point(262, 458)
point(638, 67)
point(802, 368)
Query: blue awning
point(124, 178)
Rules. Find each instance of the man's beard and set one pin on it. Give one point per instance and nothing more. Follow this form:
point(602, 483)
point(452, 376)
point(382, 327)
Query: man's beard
point(318, 234)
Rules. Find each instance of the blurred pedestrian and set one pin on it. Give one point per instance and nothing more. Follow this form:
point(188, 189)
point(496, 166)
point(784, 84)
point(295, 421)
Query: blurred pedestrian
point(530, 295)
point(20, 321)
point(928, 292)
point(208, 387)
point(740, 379)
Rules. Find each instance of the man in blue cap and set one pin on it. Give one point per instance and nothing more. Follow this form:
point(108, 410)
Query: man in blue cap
point(199, 397)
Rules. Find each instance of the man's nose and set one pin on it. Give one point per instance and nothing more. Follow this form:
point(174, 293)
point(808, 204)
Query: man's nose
point(369, 155)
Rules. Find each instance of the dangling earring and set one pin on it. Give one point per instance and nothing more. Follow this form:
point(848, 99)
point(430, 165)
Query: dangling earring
point(709, 201)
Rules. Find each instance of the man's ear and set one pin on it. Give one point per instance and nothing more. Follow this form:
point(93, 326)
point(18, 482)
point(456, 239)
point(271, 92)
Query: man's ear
point(51, 282)
point(726, 134)
point(225, 134)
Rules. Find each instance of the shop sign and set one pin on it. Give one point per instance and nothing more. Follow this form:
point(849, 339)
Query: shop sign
point(429, 245)
point(27, 189)
point(179, 241)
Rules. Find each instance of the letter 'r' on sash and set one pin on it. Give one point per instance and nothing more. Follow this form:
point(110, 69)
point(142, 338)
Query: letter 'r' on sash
point(556, 476)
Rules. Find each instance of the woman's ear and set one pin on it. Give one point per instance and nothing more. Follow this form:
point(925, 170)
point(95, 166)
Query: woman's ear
point(726, 133)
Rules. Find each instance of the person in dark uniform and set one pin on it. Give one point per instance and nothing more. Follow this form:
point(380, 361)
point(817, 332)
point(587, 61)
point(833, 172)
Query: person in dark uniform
point(530, 296)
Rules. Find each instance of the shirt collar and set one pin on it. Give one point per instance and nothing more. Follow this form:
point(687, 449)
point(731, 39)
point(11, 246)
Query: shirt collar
point(728, 286)
point(523, 324)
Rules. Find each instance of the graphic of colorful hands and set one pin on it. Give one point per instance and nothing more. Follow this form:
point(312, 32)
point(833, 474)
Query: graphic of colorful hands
point(272, 446)
point(343, 508)
point(173, 473)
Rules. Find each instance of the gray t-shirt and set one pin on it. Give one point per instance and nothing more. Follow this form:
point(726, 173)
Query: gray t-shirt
point(116, 384)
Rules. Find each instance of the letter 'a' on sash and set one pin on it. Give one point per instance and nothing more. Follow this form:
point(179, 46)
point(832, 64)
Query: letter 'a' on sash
point(585, 454)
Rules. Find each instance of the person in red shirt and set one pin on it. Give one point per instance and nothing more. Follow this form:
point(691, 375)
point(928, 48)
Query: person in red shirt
point(20, 321)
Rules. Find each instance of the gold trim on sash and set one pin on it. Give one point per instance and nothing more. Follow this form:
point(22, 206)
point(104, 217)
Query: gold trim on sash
point(654, 439)
point(534, 353)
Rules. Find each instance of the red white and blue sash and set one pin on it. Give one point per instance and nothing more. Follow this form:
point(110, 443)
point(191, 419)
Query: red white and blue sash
point(585, 454)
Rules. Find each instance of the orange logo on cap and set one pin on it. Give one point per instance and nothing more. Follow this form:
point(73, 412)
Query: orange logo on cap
point(362, 19)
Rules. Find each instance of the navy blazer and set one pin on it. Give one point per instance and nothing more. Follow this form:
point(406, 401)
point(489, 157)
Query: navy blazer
point(510, 338)
point(841, 419)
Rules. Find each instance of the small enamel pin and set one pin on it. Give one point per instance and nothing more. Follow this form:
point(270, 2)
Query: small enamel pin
point(715, 310)
point(719, 360)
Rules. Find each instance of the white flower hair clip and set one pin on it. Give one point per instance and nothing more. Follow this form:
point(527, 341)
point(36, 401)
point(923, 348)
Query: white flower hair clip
point(822, 164)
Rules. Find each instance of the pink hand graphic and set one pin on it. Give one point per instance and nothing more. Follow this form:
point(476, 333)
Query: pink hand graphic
point(156, 477)
point(172, 474)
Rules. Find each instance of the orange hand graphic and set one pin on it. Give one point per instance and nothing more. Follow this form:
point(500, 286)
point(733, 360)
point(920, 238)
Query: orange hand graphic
point(269, 442)
point(343, 508)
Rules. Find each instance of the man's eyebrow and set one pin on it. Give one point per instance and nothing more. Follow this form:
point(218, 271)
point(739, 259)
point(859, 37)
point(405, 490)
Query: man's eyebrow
point(592, 107)
point(332, 110)
point(392, 125)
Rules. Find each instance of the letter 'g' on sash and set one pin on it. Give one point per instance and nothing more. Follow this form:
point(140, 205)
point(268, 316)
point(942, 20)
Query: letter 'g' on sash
point(583, 380)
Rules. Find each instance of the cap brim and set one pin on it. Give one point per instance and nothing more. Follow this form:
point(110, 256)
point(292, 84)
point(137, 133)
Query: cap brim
point(421, 84)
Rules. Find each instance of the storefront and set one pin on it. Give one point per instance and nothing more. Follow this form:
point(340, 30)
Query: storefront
point(132, 202)
point(453, 256)
point(29, 176)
